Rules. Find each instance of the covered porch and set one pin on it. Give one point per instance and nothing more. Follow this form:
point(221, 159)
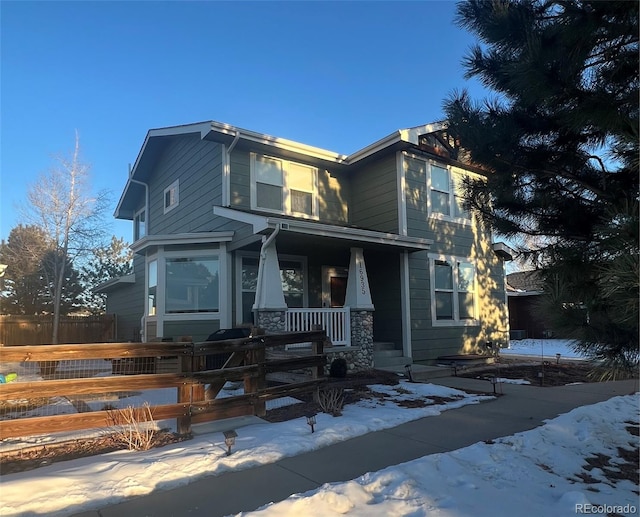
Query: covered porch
point(300, 275)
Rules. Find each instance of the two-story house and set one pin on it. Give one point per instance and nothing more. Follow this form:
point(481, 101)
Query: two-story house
point(233, 227)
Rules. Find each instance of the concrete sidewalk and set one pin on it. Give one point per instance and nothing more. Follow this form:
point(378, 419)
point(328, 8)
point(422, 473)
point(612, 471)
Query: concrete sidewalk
point(519, 409)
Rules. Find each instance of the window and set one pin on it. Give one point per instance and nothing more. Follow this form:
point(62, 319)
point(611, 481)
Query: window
point(453, 292)
point(171, 197)
point(284, 187)
point(152, 287)
point(139, 225)
point(191, 285)
point(446, 198)
point(291, 274)
point(440, 187)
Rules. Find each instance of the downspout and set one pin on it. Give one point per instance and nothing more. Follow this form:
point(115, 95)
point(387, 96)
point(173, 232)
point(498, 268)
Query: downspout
point(143, 319)
point(146, 201)
point(227, 172)
point(263, 256)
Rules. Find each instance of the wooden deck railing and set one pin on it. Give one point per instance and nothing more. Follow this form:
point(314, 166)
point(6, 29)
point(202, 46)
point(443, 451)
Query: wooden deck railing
point(247, 362)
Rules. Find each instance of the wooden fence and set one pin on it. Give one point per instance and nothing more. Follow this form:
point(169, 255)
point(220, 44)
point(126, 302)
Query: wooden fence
point(37, 330)
point(248, 361)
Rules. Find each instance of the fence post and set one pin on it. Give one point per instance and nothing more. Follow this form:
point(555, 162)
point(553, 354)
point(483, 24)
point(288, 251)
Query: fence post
point(185, 392)
point(253, 384)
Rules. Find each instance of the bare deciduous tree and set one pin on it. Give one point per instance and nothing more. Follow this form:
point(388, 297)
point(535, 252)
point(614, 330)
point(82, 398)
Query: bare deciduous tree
point(62, 204)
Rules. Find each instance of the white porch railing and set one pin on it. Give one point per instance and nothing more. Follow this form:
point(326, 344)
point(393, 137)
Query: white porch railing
point(336, 322)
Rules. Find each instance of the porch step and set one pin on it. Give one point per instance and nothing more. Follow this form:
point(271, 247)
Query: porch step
point(383, 345)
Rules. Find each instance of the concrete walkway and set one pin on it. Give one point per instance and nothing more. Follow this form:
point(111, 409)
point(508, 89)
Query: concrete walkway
point(519, 409)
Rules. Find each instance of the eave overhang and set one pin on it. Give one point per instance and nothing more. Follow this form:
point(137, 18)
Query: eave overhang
point(262, 224)
point(114, 283)
point(151, 242)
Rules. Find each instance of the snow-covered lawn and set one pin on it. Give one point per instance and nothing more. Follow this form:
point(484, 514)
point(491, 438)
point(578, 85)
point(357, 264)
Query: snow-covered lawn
point(110, 478)
point(538, 472)
point(547, 348)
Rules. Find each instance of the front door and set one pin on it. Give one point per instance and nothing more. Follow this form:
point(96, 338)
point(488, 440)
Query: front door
point(334, 286)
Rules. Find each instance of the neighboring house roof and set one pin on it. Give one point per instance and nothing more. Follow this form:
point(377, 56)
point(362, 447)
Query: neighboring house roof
point(524, 283)
point(115, 283)
point(231, 135)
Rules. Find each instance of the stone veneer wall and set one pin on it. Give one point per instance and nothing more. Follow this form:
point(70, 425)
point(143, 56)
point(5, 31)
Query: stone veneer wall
point(271, 321)
point(359, 355)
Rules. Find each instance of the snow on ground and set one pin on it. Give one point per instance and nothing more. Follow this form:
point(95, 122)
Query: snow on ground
point(528, 474)
point(89, 483)
point(547, 348)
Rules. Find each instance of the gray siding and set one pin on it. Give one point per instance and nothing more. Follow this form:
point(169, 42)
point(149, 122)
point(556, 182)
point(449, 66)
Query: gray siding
point(333, 189)
point(197, 164)
point(374, 200)
point(334, 193)
point(127, 303)
point(240, 179)
point(452, 239)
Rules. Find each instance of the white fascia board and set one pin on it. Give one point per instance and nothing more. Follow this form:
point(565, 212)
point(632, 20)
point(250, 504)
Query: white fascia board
point(259, 222)
point(279, 143)
point(375, 147)
point(409, 135)
point(353, 234)
point(198, 127)
point(181, 239)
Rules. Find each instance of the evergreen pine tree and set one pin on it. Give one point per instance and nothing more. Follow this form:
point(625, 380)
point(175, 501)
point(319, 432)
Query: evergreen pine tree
point(559, 143)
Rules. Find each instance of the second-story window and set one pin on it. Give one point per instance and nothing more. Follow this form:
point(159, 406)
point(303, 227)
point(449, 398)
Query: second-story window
point(283, 186)
point(139, 225)
point(171, 196)
point(445, 193)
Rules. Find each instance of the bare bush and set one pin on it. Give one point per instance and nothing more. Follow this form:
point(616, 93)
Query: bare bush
point(136, 435)
point(331, 401)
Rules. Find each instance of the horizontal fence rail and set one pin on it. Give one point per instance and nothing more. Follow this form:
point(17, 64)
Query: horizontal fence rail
point(58, 375)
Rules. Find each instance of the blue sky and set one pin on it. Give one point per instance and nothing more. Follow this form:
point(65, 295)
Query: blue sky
point(336, 75)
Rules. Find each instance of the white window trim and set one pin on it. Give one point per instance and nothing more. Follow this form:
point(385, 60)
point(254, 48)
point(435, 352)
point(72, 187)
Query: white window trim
point(136, 227)
point(160, 317)
point(456, 321)
point(453, 173)
point(175, 186)
point(287, 198)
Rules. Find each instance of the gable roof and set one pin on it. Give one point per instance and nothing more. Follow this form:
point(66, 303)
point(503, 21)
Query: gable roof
point(156, 139)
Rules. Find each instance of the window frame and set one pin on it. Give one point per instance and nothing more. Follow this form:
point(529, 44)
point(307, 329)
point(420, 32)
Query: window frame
point(286, 166)
point(301, 259)
point(172, 256)
point(138, 217)
point(455, 291)
point(455, 179)
point(174, 196)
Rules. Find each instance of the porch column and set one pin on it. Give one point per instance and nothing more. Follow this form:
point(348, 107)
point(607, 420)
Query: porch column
point(358, 299)
point(358, 295)
point(269, 306)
